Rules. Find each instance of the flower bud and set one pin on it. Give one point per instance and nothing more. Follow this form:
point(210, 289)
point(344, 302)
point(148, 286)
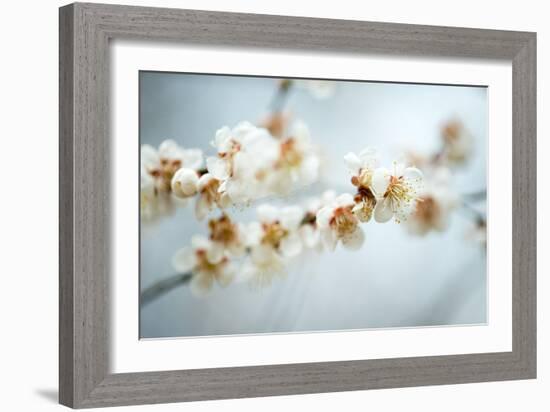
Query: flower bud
point(184, 182)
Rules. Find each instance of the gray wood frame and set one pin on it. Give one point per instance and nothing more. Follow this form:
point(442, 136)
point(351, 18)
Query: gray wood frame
point(85, 31)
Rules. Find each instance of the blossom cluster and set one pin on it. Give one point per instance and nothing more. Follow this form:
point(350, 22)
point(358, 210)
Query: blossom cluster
point(250, 163)
point(158, 168)
point(439, 199)
point(253, 163)
point(266, 246)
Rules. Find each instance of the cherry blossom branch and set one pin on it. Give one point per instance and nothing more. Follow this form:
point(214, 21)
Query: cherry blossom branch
point(253, 163)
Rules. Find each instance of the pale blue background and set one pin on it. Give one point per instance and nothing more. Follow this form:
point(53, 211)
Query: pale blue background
point(395, 280)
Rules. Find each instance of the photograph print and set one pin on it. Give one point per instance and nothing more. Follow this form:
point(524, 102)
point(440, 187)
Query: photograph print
point(290, 205)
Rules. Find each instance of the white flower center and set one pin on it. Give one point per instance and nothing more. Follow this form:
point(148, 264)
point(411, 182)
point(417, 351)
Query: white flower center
point(164, 173)
point(290, 156)
point(224, 231)
point(273, 234)
point(205, 266)
point(363, 180)
point(210, 191)
point(428, 210)
point(399, 191)
point(343, 222)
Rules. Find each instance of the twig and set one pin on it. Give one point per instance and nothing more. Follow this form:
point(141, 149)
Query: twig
point(281, 96)
point(476, 196)
point(479, 217)
point(163, 286)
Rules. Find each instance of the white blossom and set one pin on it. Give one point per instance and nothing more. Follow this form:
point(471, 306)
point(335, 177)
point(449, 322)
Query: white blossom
point(158, 167)
point(437, 201)
point(154, 204)
point(209, 195)
point(362, 168)
point(297, 164)
point(309, 230)
point(262, 265)
point(272, 241)
point(458, 143)
point(163, 163)
point(227, 237)
point(277, 228)
point(338, 223)
point(397, 192)
point(205, 273)
point(245, 155)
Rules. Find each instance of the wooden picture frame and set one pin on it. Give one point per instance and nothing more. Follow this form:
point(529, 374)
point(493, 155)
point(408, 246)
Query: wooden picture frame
point(85, 31)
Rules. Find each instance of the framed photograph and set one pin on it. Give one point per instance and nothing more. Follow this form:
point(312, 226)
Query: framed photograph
point(256, 205)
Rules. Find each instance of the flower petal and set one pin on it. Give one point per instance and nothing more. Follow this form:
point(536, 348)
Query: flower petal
point(184, 260)
point(261, 254)
point(404, 210)
point(398, 168)
point(345, 199)
point(253, 234)
point(300, 132)
point(201, 284)
point(237, 249)
point(309, 170)
point(243, 129)
point(204, 180)
point(149, 157)
point(291, 245)
point(383, 211)
point(329, 239)
point(291, 217)
point(221, 137)
point(202, 207)
point(146, 182)
point(217, 167)
point(169, 149)
point(369, 158)
point(413, 173)
point(328, 197)
point(310, 236)
point(323, 217)
point(247, 272)
point(200, 242)
point(352, 162)
point(226, 274)
point(380, 181)
point(362, 212)
point(355, 240)
point(238, 190)
point(225, 201)
point(215, 253)
point(414, 178)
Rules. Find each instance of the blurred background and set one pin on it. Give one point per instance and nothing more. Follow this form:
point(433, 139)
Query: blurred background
point(395, 280)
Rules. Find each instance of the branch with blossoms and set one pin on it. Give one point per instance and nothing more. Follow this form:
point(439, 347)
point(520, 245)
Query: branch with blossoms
point(252, 164)
point(439, 198)
point(170, 175)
